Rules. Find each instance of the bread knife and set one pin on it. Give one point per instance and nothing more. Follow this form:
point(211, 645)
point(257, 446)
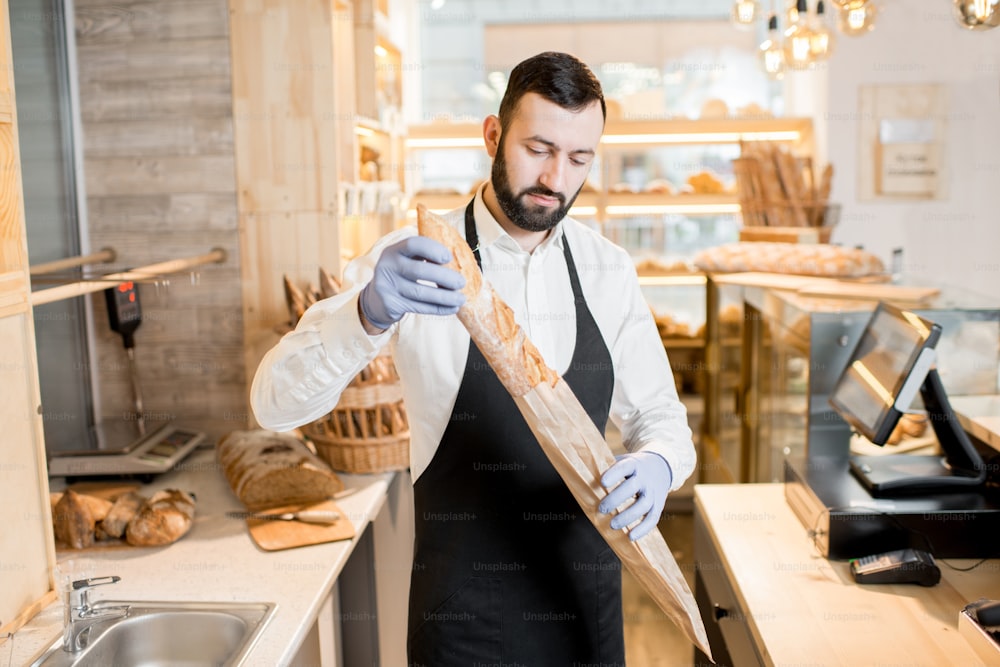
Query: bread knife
point(306, 516)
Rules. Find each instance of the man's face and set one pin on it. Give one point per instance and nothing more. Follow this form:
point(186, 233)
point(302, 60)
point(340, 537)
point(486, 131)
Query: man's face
point(543, 159)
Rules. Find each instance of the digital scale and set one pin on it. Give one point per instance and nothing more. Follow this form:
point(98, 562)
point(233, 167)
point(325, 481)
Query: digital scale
point(151, 454)
point(135, 445)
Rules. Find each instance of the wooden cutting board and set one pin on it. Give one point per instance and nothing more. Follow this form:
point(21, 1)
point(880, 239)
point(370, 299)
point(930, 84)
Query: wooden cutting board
point(276, 534)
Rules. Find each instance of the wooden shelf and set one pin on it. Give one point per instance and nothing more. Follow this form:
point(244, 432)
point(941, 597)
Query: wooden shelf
point(628, 134)
point(683, 343)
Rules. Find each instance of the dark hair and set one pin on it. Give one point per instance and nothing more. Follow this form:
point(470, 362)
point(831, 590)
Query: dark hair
point(558, 77)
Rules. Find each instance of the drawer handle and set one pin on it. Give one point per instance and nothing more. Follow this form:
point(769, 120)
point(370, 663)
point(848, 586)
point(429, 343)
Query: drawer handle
point(719, 612)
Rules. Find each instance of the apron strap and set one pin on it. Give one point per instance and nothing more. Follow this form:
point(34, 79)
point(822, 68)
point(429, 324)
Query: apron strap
point(472, 238)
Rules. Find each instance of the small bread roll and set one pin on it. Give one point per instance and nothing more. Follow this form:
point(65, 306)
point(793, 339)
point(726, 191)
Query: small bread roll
point(125, 507)
point(98, 507)
point(164, 519)
point(72, 521)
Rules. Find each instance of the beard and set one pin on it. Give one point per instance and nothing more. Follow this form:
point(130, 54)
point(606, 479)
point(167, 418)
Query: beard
point(526, 216)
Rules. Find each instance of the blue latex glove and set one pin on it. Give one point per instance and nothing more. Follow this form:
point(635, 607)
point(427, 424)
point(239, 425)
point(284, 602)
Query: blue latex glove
point(643, 478)
point(394, 290)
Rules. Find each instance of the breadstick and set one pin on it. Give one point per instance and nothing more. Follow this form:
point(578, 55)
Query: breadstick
point(490, 321)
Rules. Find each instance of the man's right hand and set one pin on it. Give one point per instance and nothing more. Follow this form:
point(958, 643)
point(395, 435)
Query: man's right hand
point(394, 290)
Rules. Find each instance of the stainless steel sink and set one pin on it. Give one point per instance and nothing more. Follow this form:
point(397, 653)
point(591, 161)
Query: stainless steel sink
point(155, 634)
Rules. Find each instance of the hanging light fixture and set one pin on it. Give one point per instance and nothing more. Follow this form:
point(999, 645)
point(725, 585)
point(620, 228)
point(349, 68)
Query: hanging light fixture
point(822, 40)
point(856, 19)
point(745, 13)
point(798, 36)
point(772, 55)
point(977, 14)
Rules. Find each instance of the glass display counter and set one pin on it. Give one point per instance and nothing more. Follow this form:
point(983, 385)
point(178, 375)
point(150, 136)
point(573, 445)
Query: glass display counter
point(678, 305)
point(795, 347)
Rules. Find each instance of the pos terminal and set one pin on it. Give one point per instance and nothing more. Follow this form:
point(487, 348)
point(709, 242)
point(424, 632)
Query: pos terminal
point(854, 506)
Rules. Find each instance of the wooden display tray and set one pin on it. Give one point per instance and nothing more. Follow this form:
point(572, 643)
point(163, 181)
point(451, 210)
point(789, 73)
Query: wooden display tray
point(786, 234)
point(277, 534)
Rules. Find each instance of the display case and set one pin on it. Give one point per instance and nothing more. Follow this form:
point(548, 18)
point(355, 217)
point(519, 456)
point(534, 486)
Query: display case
point(678, 305)
point(795, 347)
point(721, 425)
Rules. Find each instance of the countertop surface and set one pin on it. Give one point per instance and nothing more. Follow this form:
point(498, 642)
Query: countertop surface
point(980, 416)
point(802, 609)
point(217, 561)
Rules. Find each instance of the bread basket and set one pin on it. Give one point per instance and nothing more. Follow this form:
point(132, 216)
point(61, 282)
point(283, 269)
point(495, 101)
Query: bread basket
point(781, 197)
point(367, 431)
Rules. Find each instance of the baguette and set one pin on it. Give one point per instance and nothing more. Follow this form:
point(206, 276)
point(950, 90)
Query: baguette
point(515, 359)
point(565, 433)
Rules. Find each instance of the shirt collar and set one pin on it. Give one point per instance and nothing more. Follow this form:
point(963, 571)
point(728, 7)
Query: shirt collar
point(490, 231)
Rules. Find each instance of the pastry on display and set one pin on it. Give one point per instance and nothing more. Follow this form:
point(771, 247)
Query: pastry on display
point(671, 328)
point(714, 109)
point(623, 187)
point(706, 183)
point(660, 186)
point(650, 266)
point(808, 259)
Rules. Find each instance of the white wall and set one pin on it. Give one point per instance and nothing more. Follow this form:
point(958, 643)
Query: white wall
point(955, 240)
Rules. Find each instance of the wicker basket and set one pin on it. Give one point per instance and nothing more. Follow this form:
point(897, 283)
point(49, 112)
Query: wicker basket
point(367, 432)
point(764, 202)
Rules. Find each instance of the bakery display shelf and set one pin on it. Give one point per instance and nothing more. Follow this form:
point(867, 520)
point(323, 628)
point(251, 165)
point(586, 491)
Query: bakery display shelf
point(683, 343)
point(628, 135)
point(654, 203)
point(636, 132)
point(586, 205)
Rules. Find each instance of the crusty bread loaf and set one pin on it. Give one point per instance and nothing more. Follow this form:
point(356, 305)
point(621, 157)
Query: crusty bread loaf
point(72, 520)
point(515, 359)
point(163, 519)
point(124, 508)
point(269, 469)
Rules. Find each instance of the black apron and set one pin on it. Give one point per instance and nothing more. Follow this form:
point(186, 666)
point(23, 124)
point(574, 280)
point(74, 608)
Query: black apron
point(507, 569)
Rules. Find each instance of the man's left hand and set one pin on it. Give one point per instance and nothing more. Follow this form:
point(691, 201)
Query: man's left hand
point(644, 478)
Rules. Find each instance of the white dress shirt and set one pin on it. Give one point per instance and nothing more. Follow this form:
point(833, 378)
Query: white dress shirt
point(302, 377)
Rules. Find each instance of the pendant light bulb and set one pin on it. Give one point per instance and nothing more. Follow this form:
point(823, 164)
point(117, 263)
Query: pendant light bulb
point(772, 55)
point(798, 38)
point(854, 21)
point(822, 40)
point(977, 14)
point(745, 13)
point(848, 4)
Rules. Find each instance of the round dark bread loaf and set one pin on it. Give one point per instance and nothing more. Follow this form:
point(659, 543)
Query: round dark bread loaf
point(270, 469)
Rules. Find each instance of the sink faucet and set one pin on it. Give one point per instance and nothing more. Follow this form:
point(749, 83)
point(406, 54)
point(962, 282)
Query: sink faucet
point(80, 617)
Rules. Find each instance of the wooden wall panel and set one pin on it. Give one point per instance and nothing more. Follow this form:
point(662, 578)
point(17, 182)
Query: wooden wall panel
point(156, 106)
point(293, 124)
point(285, 123)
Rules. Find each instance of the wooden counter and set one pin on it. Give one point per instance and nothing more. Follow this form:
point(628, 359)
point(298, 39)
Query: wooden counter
point(980, 416)
point(335, 606)
point(769, 598)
